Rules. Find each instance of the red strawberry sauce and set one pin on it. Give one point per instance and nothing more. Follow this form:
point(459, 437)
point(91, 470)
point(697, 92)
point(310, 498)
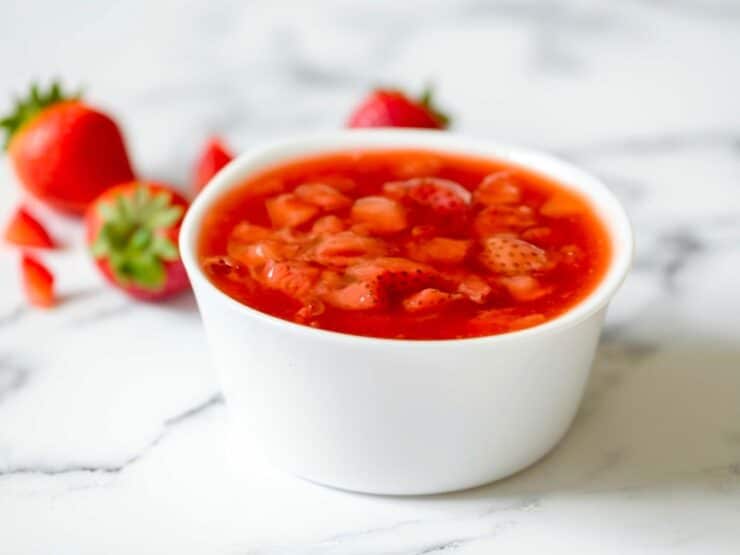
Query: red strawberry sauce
point(404, 244)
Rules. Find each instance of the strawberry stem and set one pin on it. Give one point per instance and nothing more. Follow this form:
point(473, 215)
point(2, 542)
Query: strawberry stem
point(26, 109)
point(133, 237)
point(427, 100)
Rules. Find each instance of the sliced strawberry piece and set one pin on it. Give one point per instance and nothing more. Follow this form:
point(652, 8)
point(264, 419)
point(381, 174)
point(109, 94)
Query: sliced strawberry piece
point(214, 156)
point(528, 321)
point(396, 275)
point(524, 288)
point(295, 279)
point(439, 202)
point(429, 300)
point(500, 218)
point(538, 235)
point(287, 210)
point(498, 188)
point(475, 288)
point(245, 232)
point(440, 250)
point(328, 224)
point(322, 195)
point(511, 256)
point(359, 295)
point(345, 248)
point(26, 231)
point(562, 205)
point(379, 215)
point(38, 282)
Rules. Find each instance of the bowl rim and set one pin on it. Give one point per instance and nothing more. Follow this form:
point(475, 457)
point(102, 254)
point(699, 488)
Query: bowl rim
point(273, 153)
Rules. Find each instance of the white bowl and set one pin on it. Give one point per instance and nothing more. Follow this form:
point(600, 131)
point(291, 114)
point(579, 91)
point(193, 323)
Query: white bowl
point(398, 416)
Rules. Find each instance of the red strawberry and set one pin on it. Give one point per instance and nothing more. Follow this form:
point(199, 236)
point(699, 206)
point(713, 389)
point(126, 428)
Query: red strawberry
point(26, 231)
point(511, 256)
point(38, 282)
point(132, 232)
point(64, 152)
point(214, 156)
point(393, 108)
point(287, 210)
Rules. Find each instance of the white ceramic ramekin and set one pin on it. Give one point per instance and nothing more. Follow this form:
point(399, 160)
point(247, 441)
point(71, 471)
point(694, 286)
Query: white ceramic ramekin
point(397, 416)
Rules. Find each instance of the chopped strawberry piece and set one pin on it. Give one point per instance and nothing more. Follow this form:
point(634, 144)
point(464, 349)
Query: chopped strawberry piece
point(440, 250)
point(524, 288)
point(287, 210)
point(360, 295)
point(475, 288)
point(328, 224)
point(322, 195)
point(246, 232)
point(38, 282)
point(561, 205)
point(537, 235)
point(498, 188)
point(511, 256)
point(214, 156)
point(499, 218)
point(429, 300)
point(527, 321)
point(439, 202)
point(396, 275)
point(345, 248)
point(26, 231)
point(379, 214)
point(295, 279)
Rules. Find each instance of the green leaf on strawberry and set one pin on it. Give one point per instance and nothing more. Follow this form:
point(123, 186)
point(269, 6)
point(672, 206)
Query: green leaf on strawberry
point(133, 236)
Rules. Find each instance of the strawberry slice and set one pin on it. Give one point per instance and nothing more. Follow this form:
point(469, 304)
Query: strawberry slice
point(511, 256)
point(214, 156)
point(379, 214)
point(439, 202)
point(26, 231)
point(295, 279)
point(38, 282)
point(287, 210)
point(499, 218)
point(429, 300)
point(440, 250)
point(498, 188)
point(322, 195)
point(524, 288)
point(396, 276)
point(359, 295)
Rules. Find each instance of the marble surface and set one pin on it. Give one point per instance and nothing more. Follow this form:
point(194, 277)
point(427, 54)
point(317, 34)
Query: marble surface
point(113, 436)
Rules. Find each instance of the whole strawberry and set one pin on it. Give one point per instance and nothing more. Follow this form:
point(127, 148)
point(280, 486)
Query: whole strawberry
point(65, 152)
point(393, 108)
point(132, 231)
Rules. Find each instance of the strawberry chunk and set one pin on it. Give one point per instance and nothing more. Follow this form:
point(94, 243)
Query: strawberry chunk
point(439, 202)
point(328, 224)
point(500, 218)
point(475, 288)
point(498, 188)
point(322, 195)
point(524, 288)
point(379, 215)
point(26, 231)
point(359, 295)
point(345, 248)
point(287, 210)
point(215, 156)
point(562, 205)
point(294, 278)
point(38, 282)
point(440, 250)
point(245, 232)
point(429, 300)
point(511, 256)
point(396, 275)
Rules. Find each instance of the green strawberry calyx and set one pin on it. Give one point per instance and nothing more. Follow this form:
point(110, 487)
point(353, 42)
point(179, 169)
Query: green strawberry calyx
point(427, 101)
point(26, 109)
point(133, 237)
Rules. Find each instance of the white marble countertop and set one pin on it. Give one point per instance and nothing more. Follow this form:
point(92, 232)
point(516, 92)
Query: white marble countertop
point(113, 436)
